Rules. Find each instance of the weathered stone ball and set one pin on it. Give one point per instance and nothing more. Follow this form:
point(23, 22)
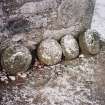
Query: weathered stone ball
point(49, 52)
point(90, 42)
point(16, 58)
point(70, 47)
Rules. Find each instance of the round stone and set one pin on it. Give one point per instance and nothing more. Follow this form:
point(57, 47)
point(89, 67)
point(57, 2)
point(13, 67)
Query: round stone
point(16, 58)
point(70, 47)
point(49, 52)
point(90, 42)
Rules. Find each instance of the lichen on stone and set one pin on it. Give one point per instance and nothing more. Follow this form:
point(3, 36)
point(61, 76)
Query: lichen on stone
point(16, 58)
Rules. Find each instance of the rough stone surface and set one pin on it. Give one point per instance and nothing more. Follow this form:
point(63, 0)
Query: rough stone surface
point(29, 40)
point(72, 11)
point(90, 42)
point(70, 47)
point(42, 19)
point(49, 52)
point(16, 58)
point(76, 82)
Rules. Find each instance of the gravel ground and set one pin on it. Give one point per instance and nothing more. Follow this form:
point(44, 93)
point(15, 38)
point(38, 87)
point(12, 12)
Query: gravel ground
point(76, 82)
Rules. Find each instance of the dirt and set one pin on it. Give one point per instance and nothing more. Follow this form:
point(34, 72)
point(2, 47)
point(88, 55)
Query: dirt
point(76, 82)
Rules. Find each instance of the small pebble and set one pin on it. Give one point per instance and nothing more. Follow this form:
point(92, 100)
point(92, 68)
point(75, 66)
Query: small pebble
point(22, 75)
point(12, 78)
point(81, 56)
